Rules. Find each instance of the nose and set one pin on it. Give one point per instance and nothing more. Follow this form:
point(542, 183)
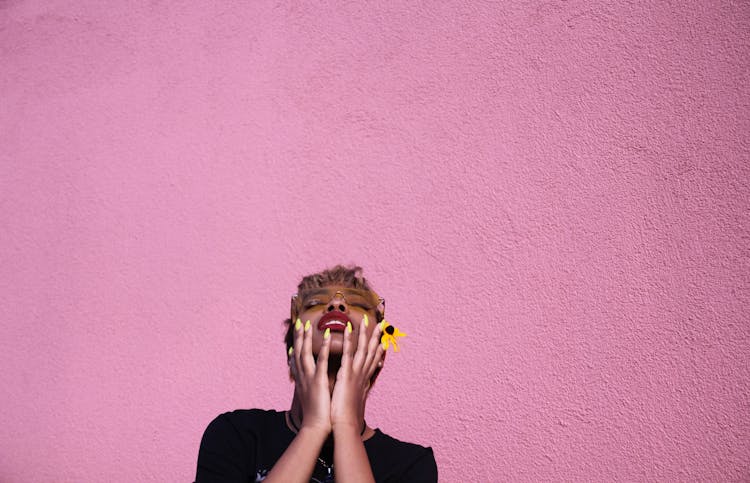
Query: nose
point(338, 302)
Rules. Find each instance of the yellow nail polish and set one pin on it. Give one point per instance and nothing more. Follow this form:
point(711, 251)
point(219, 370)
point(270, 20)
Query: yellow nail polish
point(385, 347)
point(382, 325)
point(327, 334)
point(307, 326)
point(290, 351)
point(348, 327)
point(298, 325)
point(367, 322)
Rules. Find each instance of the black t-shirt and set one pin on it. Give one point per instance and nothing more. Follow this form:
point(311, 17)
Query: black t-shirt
point(243, 445)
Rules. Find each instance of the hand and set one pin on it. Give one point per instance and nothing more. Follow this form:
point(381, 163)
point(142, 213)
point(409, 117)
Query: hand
point(311, 379)
point(353, 378)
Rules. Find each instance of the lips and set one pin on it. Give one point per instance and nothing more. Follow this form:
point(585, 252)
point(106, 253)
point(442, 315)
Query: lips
point(335, 320)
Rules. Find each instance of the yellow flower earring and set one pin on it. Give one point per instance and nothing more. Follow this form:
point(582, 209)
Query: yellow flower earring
point(389, 335)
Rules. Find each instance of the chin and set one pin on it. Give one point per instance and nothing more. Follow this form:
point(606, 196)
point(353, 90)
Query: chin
point(336, 348)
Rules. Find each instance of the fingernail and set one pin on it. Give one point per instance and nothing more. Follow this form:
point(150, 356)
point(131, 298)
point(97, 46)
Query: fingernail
point(367, 322)
point(290, 351)
point(382, 325)
point(384, 346)
point(327, 334)
point(298, 325)
point(307, 326)
point(348, 327)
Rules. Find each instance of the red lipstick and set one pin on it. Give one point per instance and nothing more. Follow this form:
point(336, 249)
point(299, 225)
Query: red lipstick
point(334, 320)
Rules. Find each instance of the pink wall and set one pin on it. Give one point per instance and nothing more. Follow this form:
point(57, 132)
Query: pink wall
point(553, 199)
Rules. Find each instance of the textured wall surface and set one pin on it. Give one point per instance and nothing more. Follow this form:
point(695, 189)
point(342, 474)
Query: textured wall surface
point(553, 198)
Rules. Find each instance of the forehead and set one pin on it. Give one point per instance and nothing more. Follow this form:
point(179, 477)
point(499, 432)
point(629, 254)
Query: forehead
point(332, 289)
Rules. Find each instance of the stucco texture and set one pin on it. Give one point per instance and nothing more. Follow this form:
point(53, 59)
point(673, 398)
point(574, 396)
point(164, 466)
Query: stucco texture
point(552, 197)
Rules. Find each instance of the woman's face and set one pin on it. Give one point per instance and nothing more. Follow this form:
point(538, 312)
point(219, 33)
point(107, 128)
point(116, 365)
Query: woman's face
point(332, 307)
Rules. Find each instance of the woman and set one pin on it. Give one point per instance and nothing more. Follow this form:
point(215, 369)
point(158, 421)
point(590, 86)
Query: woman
point(335, 354)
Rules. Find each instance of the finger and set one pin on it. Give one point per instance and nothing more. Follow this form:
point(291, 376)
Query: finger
point(377, 361)
point(346, 353)
point(307, 359)
point(374, 343)
point(361, 354)
point(297, 344)
point(321, 369)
